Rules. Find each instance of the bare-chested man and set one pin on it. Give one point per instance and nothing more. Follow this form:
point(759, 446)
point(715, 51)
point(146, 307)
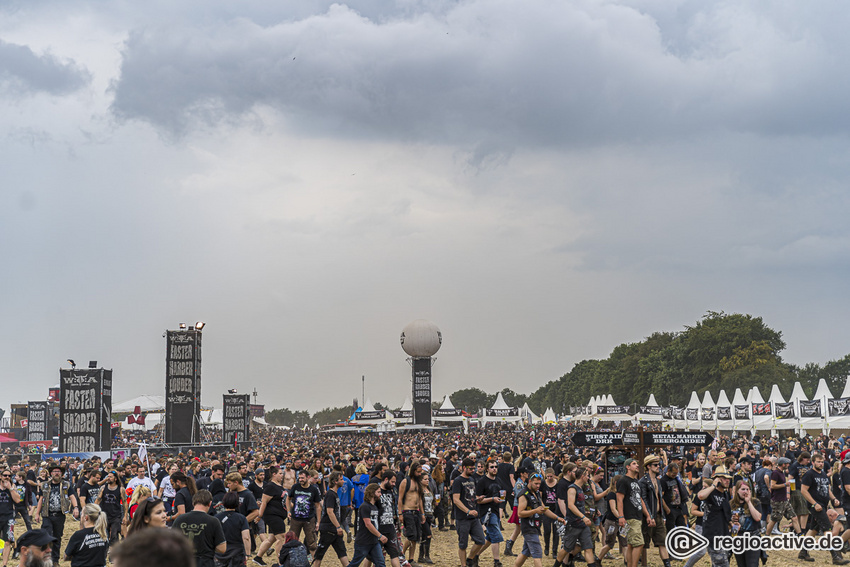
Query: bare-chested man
point(288, 476)
point(411, 507)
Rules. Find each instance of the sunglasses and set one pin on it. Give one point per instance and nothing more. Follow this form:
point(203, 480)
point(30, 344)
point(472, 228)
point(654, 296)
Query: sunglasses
point(536, 475)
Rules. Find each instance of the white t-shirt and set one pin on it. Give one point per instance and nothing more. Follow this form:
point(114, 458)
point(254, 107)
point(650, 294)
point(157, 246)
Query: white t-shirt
point(136, 481)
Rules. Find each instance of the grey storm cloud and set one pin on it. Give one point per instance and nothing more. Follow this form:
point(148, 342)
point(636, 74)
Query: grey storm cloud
point(24, 71)
point(530, 73)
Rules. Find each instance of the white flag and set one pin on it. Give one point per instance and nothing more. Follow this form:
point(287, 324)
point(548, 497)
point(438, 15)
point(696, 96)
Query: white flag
point(143, 451)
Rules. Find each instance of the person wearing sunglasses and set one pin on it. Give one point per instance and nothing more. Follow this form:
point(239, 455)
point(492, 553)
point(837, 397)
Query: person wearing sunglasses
point(55, 499)
point(654, 523)
point(34, 548)
point(9, 496)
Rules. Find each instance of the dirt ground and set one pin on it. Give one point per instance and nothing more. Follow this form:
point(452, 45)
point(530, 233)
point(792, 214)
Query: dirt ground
point(444, 553)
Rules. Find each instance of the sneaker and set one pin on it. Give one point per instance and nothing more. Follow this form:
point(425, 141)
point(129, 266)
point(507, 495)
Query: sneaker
point(259, 560)
point(497, 563)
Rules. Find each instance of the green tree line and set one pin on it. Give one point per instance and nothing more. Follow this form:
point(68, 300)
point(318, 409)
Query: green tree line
point(719, 352)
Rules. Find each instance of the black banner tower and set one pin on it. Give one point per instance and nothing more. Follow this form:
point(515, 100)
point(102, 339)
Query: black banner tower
point(421, 340)
point(236, 419)
point(85, 410)
point(183, 386)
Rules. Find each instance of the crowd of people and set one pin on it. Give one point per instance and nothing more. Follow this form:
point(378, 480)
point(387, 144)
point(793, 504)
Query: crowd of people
point(524, 494)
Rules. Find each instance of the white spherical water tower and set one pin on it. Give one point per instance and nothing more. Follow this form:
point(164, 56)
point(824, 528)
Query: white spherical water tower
point(421, 340)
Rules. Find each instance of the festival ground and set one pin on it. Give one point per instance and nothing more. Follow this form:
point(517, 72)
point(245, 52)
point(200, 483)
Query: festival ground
point(444, 553)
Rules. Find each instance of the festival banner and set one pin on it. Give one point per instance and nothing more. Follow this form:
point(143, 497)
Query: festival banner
point(838, 407)
point(651, 410)
point(692, 414)
point(506, 412)
point(612, 410)
point(422, 391)
point(85, 410)
point(761, 409)
point(742, 412)
point(679, 413)
point(784, 411)
point(182, 386)
point(708, 414)
point(724, 412)
point(366, 415)
point(403, 414)
point(38, 419)
point(810, 408)
point(454, 412)
point(667, 413)
point(236, 420)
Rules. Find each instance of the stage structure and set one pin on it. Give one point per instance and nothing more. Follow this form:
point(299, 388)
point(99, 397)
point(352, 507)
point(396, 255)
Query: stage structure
point(85, 409)
point(183, 385)
point(237, 418)
point(421, 340)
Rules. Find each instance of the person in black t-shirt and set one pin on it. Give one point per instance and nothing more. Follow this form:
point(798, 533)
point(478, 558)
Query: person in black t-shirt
point(273, 512)
point(817, 492)
point(234, 525)
point(9, 497)
point(305, 506)
point(89, 546)
point(331, 534)
point(631, 507)
point(610, 527)
point(466, 513)
point(531, 509)
point(367, 539)
point(204, 530)
point(490, 497)
point(718, 513)
point(113, 502)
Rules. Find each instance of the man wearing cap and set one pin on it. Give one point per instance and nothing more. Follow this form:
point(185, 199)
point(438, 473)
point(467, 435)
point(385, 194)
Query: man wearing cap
point(630, 504)
point(32, 547)
point(780, 506)
point(654, 528)
point(745, 473)
point(718, 514)
point(55, 499)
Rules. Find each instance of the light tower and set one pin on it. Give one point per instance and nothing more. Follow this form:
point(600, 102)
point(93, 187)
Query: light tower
point(421, 340)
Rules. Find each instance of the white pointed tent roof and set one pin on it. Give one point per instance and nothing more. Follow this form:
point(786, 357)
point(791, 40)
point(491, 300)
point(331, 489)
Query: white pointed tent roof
point(549, 416)
point(755, 396)
point(694, 403)
point(722, 399)
point(649, 417)
point(609, 400)
point(738, 398)
point(797, 392)
point(368, 405)
point(723, 402)
point(651, 401)
point(526, 412)
point(145, 403)
point(500, 402)
point(822, 391)
point(846, 392)
point(707, 401)
point(447, 403)
point(776, 395)
point(406, 406)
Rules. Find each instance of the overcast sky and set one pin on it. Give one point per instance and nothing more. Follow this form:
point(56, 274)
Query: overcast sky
point(544, 180)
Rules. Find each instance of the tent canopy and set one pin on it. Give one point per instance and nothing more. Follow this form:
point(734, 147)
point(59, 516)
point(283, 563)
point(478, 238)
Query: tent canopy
point(146, 403)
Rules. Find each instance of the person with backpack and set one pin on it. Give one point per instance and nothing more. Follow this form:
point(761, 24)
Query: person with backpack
point(293, 553)
point(762, 488)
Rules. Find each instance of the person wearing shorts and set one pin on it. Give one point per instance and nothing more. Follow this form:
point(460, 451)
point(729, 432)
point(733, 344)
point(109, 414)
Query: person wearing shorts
point(531, 511)
point(465, 508)
point(780, 505)
point(577, 532)
point(9, 496)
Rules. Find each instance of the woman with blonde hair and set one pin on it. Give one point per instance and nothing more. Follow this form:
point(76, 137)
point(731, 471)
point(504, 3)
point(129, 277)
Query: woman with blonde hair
point(89, 546)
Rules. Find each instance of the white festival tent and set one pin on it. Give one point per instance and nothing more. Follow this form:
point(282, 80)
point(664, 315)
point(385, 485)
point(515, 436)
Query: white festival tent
point(501, 413)
point(708, 413)
point(779, 423)
point(738, 400)
point(405, 407)
point(694, 407)
point(760, 422)
point(607, 402)
point(797, 394)
point(449, 407)
point(723, 402)
point(145, 404)
point(529, 416)
point(822, 394)
point(368, 408)
point(843, 421)
point(649, 416)
point(549, 416)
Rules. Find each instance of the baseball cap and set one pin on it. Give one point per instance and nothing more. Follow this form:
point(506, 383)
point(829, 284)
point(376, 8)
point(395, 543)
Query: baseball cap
point(36, 538)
